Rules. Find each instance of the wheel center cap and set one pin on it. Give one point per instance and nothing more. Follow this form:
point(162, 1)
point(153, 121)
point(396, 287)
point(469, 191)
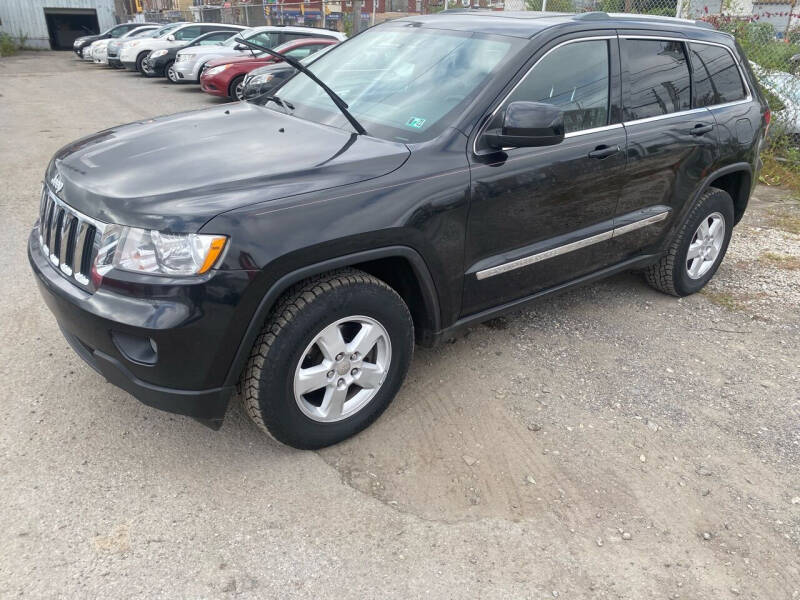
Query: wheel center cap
point(343, 368)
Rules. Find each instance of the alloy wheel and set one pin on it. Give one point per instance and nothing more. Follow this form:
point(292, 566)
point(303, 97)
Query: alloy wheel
point(342, 369)
point(704, 249)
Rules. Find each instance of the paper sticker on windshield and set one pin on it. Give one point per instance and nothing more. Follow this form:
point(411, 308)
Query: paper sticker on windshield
point(415, 122)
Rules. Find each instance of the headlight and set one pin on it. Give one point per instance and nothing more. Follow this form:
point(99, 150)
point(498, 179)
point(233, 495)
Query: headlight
point(216, 70)
point(148, 251)
point(259, 79)
point(157, 53)
point(181, 58)
point(134, 43)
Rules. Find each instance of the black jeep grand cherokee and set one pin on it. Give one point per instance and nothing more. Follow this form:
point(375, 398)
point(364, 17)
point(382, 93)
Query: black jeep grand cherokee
point(298, 248)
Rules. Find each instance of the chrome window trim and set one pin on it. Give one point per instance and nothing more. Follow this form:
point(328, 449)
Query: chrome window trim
point(572, 246)
point(592, 130)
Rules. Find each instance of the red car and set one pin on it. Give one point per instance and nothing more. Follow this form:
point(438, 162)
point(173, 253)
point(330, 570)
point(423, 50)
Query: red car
point(225, 76)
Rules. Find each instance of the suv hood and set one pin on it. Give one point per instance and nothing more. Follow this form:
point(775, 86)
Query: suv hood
point(174, 173)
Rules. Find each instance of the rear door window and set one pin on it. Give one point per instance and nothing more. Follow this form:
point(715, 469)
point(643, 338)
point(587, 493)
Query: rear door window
point(716, 76)
point(658, 78)
point(574, 77)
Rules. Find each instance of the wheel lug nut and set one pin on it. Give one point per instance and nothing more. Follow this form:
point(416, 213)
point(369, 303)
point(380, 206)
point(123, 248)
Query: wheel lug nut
point(331, 374)
point(340, 384)
point(354, 372)
point(339, 356)
point(355, 356)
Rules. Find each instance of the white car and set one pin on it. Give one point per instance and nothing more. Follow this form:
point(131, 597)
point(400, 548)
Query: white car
point(99, 50)
point(115, 47)
point(132, 55)
point(785, 87)
point(189, 62)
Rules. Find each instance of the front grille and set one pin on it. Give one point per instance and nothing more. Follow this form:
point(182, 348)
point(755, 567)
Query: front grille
point(69, 239)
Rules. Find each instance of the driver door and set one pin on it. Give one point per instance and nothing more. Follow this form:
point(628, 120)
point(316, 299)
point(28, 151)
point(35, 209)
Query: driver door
point(541, 216)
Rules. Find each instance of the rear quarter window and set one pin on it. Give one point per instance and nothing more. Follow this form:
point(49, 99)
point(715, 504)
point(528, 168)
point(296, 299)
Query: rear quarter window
point(658, 78)
point(716, 76)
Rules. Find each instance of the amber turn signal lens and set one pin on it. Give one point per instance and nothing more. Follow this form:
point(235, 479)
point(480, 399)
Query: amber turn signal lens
point(217, 245)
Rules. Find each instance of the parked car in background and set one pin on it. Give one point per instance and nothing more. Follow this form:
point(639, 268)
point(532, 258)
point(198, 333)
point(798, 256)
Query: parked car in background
point(264, 80)
point(99, 49)
point(225, 76)
point(133, 55)
point(159, 62)
point(189, 62)
point(117, 31)
point(784, 89)
point(469, 165)
point(115, 46)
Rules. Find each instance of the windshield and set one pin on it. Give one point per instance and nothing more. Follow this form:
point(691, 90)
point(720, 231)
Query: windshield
point(141, 33)
point(231, 41)
point(399, 82)
point(167, 28)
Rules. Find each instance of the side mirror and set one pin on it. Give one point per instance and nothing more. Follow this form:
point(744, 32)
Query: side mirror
point(528, 124)
point(170, 38)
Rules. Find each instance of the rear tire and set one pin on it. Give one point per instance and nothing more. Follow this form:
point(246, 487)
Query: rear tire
point(698, 248)
point(329, 360)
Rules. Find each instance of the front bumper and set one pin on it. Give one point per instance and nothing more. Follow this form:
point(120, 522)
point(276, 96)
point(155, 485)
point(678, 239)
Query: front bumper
point(114, 62)
point(185, 71)
point(154, 67)
point(183, 380)
point(214, 85)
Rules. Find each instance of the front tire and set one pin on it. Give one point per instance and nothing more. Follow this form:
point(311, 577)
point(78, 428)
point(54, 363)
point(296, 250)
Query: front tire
point(139, 61)
point(236, 88)
point(169, 72)
point(329, 360)
point(698, 248)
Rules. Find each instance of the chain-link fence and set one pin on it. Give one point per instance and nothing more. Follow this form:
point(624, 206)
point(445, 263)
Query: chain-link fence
point(768, 30)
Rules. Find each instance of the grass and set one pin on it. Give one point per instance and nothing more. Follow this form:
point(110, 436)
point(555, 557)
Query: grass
point(723, 299)
point(782, 261)
point(788, 223)
point(8, 45)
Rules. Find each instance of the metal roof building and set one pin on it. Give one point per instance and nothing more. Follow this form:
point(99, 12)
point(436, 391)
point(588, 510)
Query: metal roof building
point(55, 23)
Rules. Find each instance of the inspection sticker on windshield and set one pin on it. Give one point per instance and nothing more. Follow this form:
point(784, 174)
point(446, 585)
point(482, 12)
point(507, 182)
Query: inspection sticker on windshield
point(415, 122)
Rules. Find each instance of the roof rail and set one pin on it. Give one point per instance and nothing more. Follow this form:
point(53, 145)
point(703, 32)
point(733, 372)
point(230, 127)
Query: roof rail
point(593, 16)
point(600, 16)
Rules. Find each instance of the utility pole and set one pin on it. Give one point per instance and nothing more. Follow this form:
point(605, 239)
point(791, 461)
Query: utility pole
point(356, 16)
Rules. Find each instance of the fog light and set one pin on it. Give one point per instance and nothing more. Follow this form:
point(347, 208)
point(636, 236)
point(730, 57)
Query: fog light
point(142, 350)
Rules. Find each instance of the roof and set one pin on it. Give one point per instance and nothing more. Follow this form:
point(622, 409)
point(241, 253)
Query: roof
point(526, 24)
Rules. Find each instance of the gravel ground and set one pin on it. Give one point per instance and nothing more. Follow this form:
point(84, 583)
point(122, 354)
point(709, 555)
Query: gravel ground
point(610, 442)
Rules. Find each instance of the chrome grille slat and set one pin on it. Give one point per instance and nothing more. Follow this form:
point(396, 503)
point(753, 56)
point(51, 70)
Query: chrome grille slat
point(56, 236)
point(80, 242)
point(68, 238)
point(48, 219)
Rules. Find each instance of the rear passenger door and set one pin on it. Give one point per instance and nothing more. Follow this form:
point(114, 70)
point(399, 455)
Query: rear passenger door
point(719, 86)
point(670, 144)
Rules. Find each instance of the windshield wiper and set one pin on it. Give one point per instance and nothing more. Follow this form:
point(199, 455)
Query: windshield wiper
point(340, 104)
point(276, 100)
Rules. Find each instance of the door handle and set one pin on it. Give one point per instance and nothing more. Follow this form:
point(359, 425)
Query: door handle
point(700, 129)
point(604, 151)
